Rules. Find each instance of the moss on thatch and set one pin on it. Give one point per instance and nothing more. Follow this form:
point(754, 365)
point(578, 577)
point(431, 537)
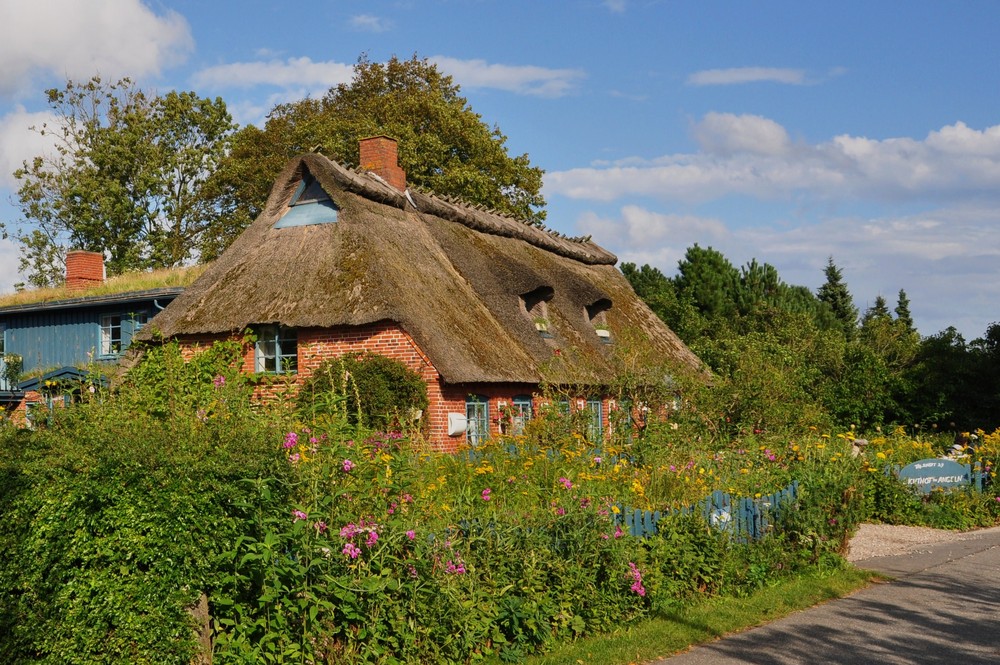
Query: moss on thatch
point(450, 275)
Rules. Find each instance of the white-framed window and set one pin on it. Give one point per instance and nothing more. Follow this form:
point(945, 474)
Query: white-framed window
point(477, 417)
point(3, 334)
point(111, 334)
point(595, 420)
point(277, 350)
point(520, 414)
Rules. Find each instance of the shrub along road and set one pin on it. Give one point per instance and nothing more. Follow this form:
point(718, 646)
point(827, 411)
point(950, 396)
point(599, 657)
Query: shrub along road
point(942, 608)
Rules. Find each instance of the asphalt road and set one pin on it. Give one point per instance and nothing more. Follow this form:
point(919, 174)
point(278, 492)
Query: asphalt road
point(943, 608)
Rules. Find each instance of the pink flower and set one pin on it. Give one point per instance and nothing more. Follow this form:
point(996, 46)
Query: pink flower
point(321, 526)
point(349, 531)
point(372, 538)
point(219, 381)
point(293, 458)
point(291, 440)
point(299, 515)
point(455, 568)
point(411, 534)
point(673, 468)
point(407, 498)
point(636, 576)
point(566, 483)
point(486, 494)
point(598, 460)
point(348, 465)
point(560, 511)
point(618, 531)
point(351, 550)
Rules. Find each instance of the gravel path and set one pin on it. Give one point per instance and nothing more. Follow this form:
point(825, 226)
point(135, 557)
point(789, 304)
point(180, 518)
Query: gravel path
point(877, 540)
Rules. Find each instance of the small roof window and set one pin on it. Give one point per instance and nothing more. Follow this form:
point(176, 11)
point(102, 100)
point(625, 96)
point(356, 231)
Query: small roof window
point(309, 205)
point(597, 315)
point(535, 305)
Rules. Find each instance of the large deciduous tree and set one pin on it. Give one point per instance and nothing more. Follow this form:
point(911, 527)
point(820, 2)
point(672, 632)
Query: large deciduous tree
point(444, 146)
point(130, 174)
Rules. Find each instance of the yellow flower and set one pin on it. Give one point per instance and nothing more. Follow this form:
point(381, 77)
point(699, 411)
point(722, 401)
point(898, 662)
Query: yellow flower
point(616, 510)
point(880, 455)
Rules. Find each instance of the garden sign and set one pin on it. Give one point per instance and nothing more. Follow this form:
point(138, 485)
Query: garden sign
point(928, 474)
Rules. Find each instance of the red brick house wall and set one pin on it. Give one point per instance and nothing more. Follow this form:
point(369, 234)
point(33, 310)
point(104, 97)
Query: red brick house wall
point(316, 345)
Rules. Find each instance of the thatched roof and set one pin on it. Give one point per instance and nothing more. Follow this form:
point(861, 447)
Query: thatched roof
point(451, 275)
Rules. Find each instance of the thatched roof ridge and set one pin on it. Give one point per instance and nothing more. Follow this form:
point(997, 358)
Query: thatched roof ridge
point(333, 175)
point(494, 223)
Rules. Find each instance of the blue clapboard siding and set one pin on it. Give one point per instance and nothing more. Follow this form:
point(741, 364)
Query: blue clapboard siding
point(68, 333)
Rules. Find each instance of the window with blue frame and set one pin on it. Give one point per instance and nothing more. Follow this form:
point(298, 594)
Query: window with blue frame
point(276, 350)
point(622, 420)
point(477, 418)
point(117, 331)
point(309, 205)
point(595, 420)
point(520, 414)
point(111, 334)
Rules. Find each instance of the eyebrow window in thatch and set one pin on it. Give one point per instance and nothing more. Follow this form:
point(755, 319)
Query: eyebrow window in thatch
point(535, 303)
point(309, 205)
point(597, 315)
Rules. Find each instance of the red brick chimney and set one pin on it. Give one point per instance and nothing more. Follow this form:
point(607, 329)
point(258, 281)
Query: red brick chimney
point(83, 269)
point(379, 155)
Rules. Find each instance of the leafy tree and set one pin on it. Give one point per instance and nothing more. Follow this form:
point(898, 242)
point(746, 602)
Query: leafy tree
point(834, 293)
point(130, 175)
point(444, 146)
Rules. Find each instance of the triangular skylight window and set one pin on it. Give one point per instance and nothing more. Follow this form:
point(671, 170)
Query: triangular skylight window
point(309, 205)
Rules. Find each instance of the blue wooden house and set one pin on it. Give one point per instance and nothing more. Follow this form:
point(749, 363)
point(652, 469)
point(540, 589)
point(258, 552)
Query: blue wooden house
point(56, 335)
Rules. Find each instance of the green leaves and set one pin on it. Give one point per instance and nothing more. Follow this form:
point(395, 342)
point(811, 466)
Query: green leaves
point(131, 175)
point(444, 146)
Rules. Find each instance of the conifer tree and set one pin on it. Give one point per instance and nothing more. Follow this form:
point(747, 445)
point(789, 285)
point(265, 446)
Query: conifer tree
point(877, 312)
point(903, 311)
point(835, 294)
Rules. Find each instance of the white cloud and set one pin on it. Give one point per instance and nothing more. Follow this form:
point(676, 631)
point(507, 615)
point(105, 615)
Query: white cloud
point(639, 227)
point(616, 6)
point(727, 134)
point(738, 75)
point(754, 157)
point(69, 38)
point(519, 79)
point(293, 72)
point(369, 23)
point(20, 143)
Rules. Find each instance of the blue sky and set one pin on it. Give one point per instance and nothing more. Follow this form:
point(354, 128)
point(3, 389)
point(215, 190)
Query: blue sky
point(783, 131)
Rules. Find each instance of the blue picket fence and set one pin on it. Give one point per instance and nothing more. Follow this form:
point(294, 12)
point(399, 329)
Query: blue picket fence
point(744, 518)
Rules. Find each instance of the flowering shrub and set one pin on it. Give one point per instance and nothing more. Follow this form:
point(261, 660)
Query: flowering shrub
point(316, 540)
